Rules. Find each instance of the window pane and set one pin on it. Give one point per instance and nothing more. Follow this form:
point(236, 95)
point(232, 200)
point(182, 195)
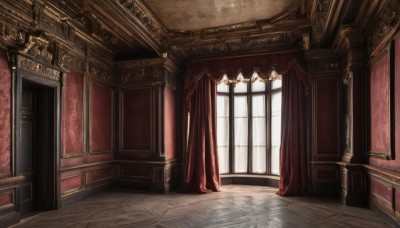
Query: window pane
point(223, 133)
point(258, 105)
point(259, 134)
point(276, 103)
point(222, 87)
point(223, 106)
point(223, 157)
point(241, 129)
point(240, 159)
point(240, 87)
point(276, 84)
point(259, 159)
point(258, 86)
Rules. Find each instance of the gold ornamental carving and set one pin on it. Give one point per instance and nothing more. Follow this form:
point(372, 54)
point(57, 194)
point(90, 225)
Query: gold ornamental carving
point(38, 68)
point(101, 75)
point(133, 76)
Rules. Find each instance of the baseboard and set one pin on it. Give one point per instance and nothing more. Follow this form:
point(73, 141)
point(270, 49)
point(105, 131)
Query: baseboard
point(389, 218)
point(84, 194)
point(9, 219)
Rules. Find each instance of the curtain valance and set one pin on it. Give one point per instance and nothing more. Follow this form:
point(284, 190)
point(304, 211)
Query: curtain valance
point(262, 64)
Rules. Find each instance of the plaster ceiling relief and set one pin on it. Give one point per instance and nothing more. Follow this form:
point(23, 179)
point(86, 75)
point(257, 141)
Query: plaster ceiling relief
point(201, 14)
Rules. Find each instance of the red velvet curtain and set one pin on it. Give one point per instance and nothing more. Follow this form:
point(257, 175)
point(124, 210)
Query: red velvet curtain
point(293, 158)
point(202, 171)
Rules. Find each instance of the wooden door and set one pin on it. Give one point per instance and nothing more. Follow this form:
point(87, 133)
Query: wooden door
point(28, 154)
point(37, 149)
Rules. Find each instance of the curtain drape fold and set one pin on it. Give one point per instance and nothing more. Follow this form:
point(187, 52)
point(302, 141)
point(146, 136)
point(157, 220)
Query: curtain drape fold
point(293, 163)
point(202, 171)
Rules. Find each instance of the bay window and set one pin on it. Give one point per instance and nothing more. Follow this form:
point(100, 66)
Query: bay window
point(248, 126)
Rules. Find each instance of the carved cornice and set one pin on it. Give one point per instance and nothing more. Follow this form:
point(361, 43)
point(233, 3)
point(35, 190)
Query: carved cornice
point(386, 25)
point(37, 68)
point(137, 11)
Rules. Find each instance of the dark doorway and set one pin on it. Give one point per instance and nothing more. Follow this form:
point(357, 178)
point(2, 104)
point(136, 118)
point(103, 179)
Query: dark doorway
point(37, 147)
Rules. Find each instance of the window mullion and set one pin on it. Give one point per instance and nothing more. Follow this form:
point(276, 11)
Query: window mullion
point(250, 131)
point(268, 119)
point(231, 130)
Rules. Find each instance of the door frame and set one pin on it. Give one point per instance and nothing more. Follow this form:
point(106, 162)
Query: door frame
point(27, 68)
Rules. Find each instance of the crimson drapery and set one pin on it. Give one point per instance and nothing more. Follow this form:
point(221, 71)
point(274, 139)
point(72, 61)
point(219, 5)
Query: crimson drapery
point(202, 171)
point(293, 163)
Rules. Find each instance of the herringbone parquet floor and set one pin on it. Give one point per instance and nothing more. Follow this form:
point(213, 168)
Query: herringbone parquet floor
point(235, 206)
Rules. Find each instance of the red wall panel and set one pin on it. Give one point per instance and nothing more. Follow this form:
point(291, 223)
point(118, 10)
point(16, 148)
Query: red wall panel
point(379, 103)
point(72, 115)
point(71, 183)
point(382, 190)
point(137, 123)
point(5, 117)
point(397, 203)
point(327, 116)
point(101, 174)
point(393, 164)
point(169, 119)
point(101, 118)
point(5, 198)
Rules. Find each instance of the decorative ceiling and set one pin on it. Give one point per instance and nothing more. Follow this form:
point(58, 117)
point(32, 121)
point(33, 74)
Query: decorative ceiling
point(202, 14)
point(138, 29)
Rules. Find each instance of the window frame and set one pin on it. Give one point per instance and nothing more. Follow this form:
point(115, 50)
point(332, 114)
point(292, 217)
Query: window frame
point(268, 116)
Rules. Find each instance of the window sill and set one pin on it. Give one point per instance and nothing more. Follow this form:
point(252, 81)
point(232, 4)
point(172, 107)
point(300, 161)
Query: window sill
point(248, 179)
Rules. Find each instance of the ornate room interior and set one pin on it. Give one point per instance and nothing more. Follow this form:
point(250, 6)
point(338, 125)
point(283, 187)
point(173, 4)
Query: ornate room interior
point(97, 95)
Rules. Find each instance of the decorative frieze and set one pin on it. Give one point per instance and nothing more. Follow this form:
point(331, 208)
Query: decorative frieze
point(327, 66)
point(134, 76)
point(99, 74)
point(71, 61)
point(40, 69)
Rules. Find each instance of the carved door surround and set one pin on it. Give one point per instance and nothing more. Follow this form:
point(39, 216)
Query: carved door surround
point(35, 64)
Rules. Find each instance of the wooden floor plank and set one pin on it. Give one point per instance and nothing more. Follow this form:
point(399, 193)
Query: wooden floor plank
point(236, 206)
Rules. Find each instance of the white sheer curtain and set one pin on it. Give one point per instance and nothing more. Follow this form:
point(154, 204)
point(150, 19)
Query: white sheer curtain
point(241, 133)
point(223, 132)
point(276, 104)
point(259, 134)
